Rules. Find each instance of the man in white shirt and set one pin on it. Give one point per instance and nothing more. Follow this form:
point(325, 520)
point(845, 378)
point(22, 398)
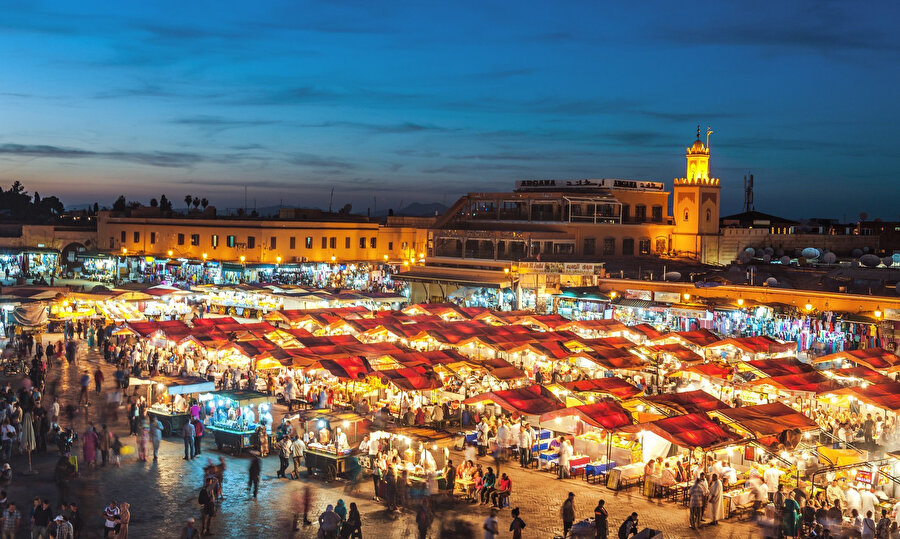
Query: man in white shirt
point(868, 501)
point(854, 500)
point(834, 492)
point(491, 526)
point(525, 444)
point(565, 453)
point(771, 475)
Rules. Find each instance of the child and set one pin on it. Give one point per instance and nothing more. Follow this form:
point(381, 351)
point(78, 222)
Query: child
point(116, 447)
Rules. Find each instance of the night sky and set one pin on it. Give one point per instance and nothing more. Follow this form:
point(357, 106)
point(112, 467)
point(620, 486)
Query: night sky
point(423, 101)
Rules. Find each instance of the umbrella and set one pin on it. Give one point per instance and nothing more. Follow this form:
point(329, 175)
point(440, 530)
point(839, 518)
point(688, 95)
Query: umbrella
point(29, 443)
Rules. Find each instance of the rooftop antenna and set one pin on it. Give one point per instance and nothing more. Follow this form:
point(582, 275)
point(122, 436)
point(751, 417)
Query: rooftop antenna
point(245, 198)
point(331, 200)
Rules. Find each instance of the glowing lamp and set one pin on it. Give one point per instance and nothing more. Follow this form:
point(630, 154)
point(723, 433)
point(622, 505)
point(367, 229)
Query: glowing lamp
point(170, 252)
point(243, 258)
point(687, 297)
point(808, 306)
point(204, 256)
point(278, 260)
point(124, 251)
point(740, 301)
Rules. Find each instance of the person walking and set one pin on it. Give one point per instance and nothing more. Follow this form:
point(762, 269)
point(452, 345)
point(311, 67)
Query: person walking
point(716, 508)
point(307, 503)
point(89, 443)
point(568, 513)
point(284, 455)
point(491, 526)
point(98, 380)
point(601, 520)
point(198, 435)
point(424, 518)
point(883, 528)
point(352, 528)
point(85, 384)
point(253, 475)
point(124, 520)
point(156, 430)
point(189, 531)
point(103, 442)
point(41, 518)
point(76, 521)
point(10, 521)
point(791, 517)
point(297, 450)
point(187, 432)
point(517, 524)
point(696, 504)
point(61, 528)
point(207, 501)
point(110, 519)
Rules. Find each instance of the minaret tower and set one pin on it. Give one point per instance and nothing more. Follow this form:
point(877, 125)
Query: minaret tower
point(695, 206)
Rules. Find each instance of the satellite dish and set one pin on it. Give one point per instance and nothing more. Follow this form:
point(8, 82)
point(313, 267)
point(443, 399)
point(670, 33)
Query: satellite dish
point(767, 258)
point(896, 258)
point(829, 258)
point(771, 281)
point(865, 249)
point(856, 253)
point(897, 288)
point(810, 253)
point(887, 261)
point(870, 260)
point(751, 251)
point(769, 251)
point(779, 252)
point(672, 276)
point(785, 260)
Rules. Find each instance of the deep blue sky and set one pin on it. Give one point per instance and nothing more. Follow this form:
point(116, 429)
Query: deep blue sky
point(423, 101)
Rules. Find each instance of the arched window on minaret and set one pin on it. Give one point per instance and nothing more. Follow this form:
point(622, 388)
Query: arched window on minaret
point(687, 214)
point(708, 215)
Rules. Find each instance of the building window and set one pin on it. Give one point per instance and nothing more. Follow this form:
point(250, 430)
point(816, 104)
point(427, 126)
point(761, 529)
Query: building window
point(346, 242)
point(687, 214)
point(644, 246)
point(657, 214)
point(626, 213)
point(293, 242)
point(214, 241)
point(112, 242)
point(609, 246)
point(332, 242)
point(640, 213)
point(152, 238)
point(123, 236)
point(137, 237)
point(590, 246)
point(273, 242)
point(229, 241)
point(404, 245)
point(309, 242)
point(362, 243)
point(661, 246)
point(390, 246)
point(373, 242)
point(708, 215)
point(181, 239)
point(628, 246)
point(195, 240)
point(324, 242)
point(251, 242)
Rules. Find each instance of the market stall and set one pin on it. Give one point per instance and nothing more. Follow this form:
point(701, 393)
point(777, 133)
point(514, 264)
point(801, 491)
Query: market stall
point(171, 399)
point(592, 426)
point(238, 418)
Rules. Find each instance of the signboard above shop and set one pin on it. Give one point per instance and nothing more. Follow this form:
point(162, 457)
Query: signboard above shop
point(562, 268)
point(604, 183)
point(666, 297)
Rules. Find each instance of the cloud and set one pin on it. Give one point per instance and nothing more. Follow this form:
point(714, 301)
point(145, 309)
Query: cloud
point(319, 161)
point(385, 129)
point(156, 159)
point(217, 124)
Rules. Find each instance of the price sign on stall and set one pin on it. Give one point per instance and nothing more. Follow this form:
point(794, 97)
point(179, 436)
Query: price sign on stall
point(864, 476)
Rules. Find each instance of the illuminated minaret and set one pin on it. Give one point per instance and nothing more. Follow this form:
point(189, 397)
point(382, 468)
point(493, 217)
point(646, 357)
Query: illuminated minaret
point(695, 206)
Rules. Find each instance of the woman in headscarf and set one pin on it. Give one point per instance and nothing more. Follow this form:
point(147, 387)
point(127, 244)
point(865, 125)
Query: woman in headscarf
point(791, 517)
point(124, 519)
point(352, 528)
point(89, 445)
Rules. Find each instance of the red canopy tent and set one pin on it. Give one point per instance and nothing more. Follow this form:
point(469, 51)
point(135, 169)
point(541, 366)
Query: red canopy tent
point(614, 386)
point(649, 332)
point(780, 366)
point(679, 352)
point(759, 344)
point(864, 374)
point(875, 358)
point(532, 400)
point(711, 370)
point(808, 382)
point(347, 368)
point(412, 378)
point(605, 414)
point(885, 395)
point(689, 402)
point(692, 430)
point(768, 419)
point(700, 338)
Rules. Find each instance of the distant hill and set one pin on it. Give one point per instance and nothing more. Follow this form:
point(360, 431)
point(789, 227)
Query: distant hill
point(417, 209)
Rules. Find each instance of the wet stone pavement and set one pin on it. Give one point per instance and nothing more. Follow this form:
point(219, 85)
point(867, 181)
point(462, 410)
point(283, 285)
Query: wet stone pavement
point(163, 495)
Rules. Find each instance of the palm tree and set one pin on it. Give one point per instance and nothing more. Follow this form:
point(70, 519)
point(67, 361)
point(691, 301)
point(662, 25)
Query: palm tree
point(196, 202)
point(204, 203)
point(187, 201)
